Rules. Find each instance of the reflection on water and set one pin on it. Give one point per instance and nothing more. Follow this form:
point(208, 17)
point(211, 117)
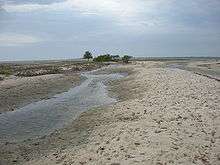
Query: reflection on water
point(43, 117)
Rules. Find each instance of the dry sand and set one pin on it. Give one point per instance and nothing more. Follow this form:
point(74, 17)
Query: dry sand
point(168, 116)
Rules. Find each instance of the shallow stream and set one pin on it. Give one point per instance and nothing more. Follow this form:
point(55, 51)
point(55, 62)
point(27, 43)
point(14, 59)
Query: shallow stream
point(43, 117)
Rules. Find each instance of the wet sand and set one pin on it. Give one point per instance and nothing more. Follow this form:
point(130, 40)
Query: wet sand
point(44, 117)
point(18, 152)
point(33, 81)
point(18, 92)
point(165, 116)
point(209, 68)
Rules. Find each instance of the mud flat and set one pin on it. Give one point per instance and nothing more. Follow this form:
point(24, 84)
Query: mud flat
point(30, 82)
point(165, 116)
point(23, 128)
point(18, 92)
point(209, 67)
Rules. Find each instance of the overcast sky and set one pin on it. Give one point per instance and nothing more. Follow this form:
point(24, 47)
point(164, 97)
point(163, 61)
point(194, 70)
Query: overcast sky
point(55, 29)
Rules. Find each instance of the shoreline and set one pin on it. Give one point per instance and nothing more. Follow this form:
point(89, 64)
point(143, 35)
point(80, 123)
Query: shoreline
point(210, 68)
point(98, 136)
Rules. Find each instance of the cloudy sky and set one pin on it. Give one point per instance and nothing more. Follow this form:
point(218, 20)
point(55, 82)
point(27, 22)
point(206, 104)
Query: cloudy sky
point(54, 29)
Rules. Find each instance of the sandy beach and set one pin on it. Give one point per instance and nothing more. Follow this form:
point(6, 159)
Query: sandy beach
point(166, 116)
point(115, 82)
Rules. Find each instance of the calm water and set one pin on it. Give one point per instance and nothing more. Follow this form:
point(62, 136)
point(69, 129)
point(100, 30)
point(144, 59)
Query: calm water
point(44, 117)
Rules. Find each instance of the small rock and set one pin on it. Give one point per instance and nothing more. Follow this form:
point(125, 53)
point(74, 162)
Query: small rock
point(82, 163)
point(6, 143)
point(163, 127)
point(175, 147)
point(137, 143)
point(157, 131)
point(213, 133)
point(118, 139)
point(102, 148)
point(36, 143)
point(218, 156)
point(129, 156)
point(213, 140)
point(179, 123)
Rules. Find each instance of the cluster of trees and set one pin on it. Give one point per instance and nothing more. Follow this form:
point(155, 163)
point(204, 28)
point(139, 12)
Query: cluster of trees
point(106, 57)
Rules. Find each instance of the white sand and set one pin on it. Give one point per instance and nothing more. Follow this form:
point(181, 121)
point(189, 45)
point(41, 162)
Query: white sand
point(174, 119)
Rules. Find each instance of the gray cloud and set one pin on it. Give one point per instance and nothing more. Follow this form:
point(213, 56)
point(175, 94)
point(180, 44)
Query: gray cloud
point(136, 27)
point(31, 1)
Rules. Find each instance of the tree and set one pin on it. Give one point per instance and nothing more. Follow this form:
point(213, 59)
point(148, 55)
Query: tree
point(126, 58)
point(87, 55)
point(115, 58)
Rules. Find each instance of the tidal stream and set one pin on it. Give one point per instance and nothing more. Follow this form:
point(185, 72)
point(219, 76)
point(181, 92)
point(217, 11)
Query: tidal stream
point(44, 117)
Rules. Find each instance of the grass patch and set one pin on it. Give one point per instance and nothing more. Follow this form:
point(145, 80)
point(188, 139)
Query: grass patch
point(5, 70)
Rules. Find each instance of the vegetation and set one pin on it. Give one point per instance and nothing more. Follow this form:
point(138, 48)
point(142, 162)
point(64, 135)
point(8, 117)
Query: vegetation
point(107, 57)
point(126, 58)
point(87, 55)
point(37, 72)
point(5, 70)
point(103, 58)
point(116, 58)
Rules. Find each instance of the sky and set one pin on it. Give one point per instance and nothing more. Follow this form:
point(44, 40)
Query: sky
point(63, 29)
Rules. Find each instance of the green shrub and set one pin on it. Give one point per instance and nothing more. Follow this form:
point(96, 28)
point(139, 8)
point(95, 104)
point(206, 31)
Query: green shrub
point(103, 58)
point(5, 70)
